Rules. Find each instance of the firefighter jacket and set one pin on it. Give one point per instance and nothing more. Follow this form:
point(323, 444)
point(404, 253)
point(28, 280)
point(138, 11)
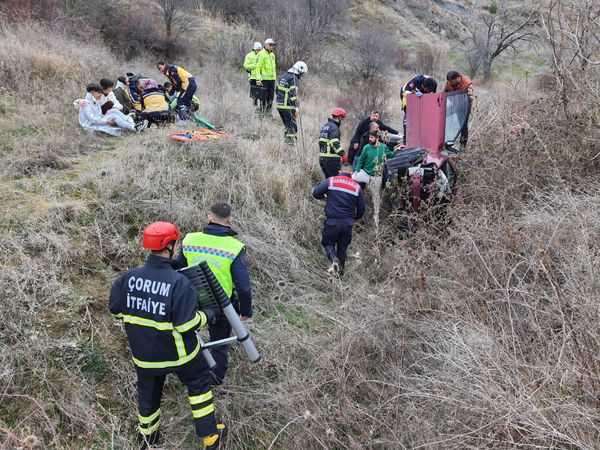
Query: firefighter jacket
point(251, 65)
point(226, 257)
point(266, 66)
point(287, 92)
point(179, 77)
point(159, 308)
point(345, 202)
point(329, 140)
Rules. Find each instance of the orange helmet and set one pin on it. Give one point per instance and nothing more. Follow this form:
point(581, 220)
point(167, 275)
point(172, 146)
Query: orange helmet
point(158, 235)
point(338, 112)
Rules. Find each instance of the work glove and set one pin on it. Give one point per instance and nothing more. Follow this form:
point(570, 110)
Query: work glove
point(419, 94)
point(212, 314)
point(258, 83)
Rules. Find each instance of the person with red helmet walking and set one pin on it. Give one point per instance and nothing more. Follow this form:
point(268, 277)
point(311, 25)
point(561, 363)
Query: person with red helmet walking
point(159, 308)
point(330, 146)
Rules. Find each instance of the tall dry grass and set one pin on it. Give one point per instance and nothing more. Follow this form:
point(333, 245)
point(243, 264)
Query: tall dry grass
point(481, 335)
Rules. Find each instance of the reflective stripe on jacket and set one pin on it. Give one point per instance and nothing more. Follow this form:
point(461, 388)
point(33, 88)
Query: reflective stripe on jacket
point(159, 308)
point(287, 92)
point(179, 77)
point(329, 140)
point(218, 251)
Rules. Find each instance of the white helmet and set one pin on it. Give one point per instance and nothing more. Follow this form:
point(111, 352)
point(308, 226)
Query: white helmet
point(257, 46)
point(269, 41)
point(299, 68)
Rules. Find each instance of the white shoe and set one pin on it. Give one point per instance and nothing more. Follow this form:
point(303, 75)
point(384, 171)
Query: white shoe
point(141, 126)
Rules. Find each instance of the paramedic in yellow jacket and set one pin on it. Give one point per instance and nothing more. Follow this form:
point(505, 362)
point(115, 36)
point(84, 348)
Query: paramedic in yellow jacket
point(183, 84)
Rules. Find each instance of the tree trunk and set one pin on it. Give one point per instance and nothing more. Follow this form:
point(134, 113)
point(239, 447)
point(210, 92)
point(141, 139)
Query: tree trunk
point(487, 69)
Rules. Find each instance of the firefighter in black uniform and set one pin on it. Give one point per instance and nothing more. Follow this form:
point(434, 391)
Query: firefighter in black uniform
point(330, 147)
point(286, 100)
point(159, 308)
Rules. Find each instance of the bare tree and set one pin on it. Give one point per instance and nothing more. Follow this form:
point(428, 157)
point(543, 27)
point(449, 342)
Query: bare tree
point(494, 32)
point(572, 32)
point(176, 20)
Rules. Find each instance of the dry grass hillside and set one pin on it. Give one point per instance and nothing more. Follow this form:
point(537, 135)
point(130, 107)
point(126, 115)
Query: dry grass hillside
point(478, 333)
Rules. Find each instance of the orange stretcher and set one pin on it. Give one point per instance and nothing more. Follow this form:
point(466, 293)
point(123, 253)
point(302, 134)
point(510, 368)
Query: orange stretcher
point(198, 135)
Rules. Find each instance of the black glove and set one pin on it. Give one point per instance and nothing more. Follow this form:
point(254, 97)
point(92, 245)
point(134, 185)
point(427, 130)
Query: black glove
point(212, 314)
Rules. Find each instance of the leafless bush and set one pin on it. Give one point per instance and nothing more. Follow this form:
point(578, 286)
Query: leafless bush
point(430, 59)
point(482, 335)
point(571, 32)
point(364, 96)
point(372, 55)
point(301, 26)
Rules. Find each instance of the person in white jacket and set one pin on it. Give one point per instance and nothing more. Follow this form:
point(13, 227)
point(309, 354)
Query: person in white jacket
point(109, 96)
point(112, 123)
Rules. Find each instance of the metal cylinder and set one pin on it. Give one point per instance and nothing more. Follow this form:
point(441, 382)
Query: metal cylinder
point(231, 314)
point(242, 334)
point(207, 354)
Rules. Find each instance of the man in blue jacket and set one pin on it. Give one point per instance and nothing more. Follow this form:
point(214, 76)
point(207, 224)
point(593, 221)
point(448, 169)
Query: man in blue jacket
point(226, 256)
point(159, 309)
point(345, 204)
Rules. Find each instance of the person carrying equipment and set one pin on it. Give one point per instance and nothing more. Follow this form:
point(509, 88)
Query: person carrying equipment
point(345, 204)
point(251, 66)
point(362, 128)
point(420, 84)
point(266, 74)
point(287, 99)
point(159, 308)
point(457, 82)
point(226, 257)
point(330, 147)
point(183, 83)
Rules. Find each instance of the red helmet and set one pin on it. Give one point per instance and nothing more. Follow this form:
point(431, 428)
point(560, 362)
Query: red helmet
point(158, 235)
point(338, 112)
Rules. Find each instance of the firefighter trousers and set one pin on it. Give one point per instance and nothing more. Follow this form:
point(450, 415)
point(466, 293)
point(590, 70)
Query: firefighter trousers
point(195, 376)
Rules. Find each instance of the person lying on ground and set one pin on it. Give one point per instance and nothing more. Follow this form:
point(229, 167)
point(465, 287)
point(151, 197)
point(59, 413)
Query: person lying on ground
point(91, 118)
point(363, 127)
point(122, 94)
point(110, 100)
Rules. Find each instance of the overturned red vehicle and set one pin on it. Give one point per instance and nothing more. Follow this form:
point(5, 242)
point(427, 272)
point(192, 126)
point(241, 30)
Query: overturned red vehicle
point(425, 169)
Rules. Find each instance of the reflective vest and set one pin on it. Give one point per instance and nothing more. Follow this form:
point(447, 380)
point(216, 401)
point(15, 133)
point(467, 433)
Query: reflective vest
point(266, 68)
point(218, 251)
point(251, 65)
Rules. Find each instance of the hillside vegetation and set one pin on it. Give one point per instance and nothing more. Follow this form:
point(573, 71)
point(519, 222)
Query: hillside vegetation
point(481, 332)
